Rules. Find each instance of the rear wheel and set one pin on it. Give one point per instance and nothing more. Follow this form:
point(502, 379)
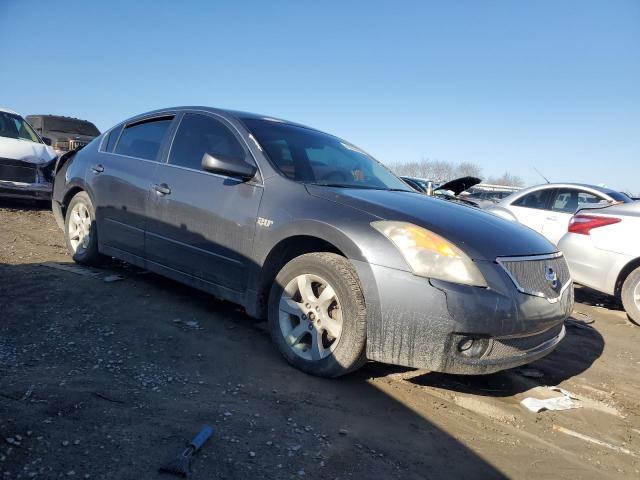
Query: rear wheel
point(317, 315)
point(631, 295)
point(80, 230)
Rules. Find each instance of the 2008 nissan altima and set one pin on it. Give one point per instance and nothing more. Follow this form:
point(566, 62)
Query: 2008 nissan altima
point(345, 261)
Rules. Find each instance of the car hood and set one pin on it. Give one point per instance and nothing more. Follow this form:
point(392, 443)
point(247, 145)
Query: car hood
point(481, 235)
point(25, 151)
point(459, 185)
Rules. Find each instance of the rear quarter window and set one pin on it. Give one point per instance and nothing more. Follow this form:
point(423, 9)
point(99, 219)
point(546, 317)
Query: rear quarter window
point(143, 139)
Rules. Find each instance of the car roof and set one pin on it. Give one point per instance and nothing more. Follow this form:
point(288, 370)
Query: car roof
point(237, 114)
point(604, 190)
point(6, 110)
point(56, 116)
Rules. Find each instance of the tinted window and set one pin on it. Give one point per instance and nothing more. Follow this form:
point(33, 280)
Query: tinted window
point(70, 125)
point(112, 139)
point(569, 200)
point(538, 199)
point(200, 134)
point(143, 140)
point(310, 156)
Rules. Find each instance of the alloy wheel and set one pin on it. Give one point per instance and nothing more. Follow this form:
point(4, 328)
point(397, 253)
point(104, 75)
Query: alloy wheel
point(79, 228)
point(310, 317)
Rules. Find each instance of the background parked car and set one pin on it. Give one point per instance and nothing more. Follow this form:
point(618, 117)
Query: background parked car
point(602, 248)
point(548, 208)
point(26, 162)
point(64, 134)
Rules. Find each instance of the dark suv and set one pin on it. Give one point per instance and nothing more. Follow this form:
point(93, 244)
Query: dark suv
point(64, 134)
point(305, 229)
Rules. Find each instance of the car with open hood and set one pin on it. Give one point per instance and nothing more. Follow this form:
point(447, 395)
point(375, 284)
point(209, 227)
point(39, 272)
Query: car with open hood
point(26, 162)
point(308, 231)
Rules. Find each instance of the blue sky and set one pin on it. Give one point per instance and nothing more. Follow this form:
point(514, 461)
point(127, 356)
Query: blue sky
point(505, 84)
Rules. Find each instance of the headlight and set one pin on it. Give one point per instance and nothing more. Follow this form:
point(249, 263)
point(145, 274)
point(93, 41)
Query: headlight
point(430, 255)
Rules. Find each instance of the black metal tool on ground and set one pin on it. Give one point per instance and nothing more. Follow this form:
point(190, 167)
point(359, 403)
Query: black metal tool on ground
point(181, 466)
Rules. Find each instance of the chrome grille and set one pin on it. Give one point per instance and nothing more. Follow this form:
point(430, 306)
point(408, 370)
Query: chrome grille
point(544, 276)
point(73, 144)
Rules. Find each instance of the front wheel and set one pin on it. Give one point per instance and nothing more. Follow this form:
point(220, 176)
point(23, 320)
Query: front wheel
point(80, 231)
point(317, 315)
point(631, 295)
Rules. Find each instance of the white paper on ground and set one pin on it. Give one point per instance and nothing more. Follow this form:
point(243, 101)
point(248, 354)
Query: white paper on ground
point(565, 402)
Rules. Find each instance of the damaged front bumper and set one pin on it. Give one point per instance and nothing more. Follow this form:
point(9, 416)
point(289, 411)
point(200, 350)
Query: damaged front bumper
point(23, 179)
point(440, 326)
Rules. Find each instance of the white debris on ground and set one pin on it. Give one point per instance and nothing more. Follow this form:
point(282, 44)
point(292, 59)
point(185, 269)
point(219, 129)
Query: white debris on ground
point(567, 401)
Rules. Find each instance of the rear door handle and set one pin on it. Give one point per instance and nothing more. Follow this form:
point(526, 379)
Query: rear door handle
point(552, 218)
point(162, 189)
point(97, 168)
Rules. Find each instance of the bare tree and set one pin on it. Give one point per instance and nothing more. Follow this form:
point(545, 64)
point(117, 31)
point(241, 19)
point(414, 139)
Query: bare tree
point(468, 169)
point(508, 179)
point(436, 170)
point(443, 171)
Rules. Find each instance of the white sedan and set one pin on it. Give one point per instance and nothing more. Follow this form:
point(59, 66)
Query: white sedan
point(548, 208)
point(603, 252)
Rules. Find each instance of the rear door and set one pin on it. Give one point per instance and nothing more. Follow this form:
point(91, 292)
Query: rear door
point(532, 209)
point(120, 179)
point(565, 202)
point(202, 224)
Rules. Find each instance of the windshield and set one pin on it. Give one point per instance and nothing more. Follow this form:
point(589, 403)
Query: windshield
point(309, 156)
point(70, 125)
point(14, 126)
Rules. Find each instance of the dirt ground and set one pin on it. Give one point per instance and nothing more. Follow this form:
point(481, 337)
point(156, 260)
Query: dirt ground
point(109, 379)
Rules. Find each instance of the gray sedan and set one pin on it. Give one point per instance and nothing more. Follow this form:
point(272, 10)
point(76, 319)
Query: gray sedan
point(345, 261)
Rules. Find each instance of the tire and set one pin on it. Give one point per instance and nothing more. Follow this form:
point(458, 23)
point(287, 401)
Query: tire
point(81, 236)
point(631, 296)
point(334, 323)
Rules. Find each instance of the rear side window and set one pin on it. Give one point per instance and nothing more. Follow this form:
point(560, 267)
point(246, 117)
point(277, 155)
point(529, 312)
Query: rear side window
point(143, 139)
point(538, 200)
point(200, 134)
point(569, 200)
point(112, 138)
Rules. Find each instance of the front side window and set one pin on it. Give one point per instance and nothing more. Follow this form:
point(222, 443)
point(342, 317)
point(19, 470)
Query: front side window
point(199, 134)
point(143, 139)
point(14, 126)
point(309, 156)
point(537, 200)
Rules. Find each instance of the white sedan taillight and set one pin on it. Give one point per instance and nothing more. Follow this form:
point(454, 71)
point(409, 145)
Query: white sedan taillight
point(583, 224)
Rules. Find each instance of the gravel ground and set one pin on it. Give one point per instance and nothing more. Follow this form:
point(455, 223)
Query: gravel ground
point(108, 374)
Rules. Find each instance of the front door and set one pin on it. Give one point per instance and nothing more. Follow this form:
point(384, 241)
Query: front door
point(202, 224)
point(531, 209)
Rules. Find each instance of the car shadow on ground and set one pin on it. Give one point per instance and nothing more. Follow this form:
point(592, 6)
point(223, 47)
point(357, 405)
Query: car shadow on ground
point(587, 296)
point(24, 204)
point(67, 348)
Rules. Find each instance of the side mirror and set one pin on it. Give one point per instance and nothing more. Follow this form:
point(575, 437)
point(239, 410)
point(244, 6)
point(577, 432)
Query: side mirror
point(46, 140)
point(228, 166)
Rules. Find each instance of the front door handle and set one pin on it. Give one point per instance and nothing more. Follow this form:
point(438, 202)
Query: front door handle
point(97, 168)
point(162, 189)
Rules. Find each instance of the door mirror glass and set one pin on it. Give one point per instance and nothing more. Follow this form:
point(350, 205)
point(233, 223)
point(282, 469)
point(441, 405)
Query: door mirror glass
point(234, 167)
point(46, 140)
